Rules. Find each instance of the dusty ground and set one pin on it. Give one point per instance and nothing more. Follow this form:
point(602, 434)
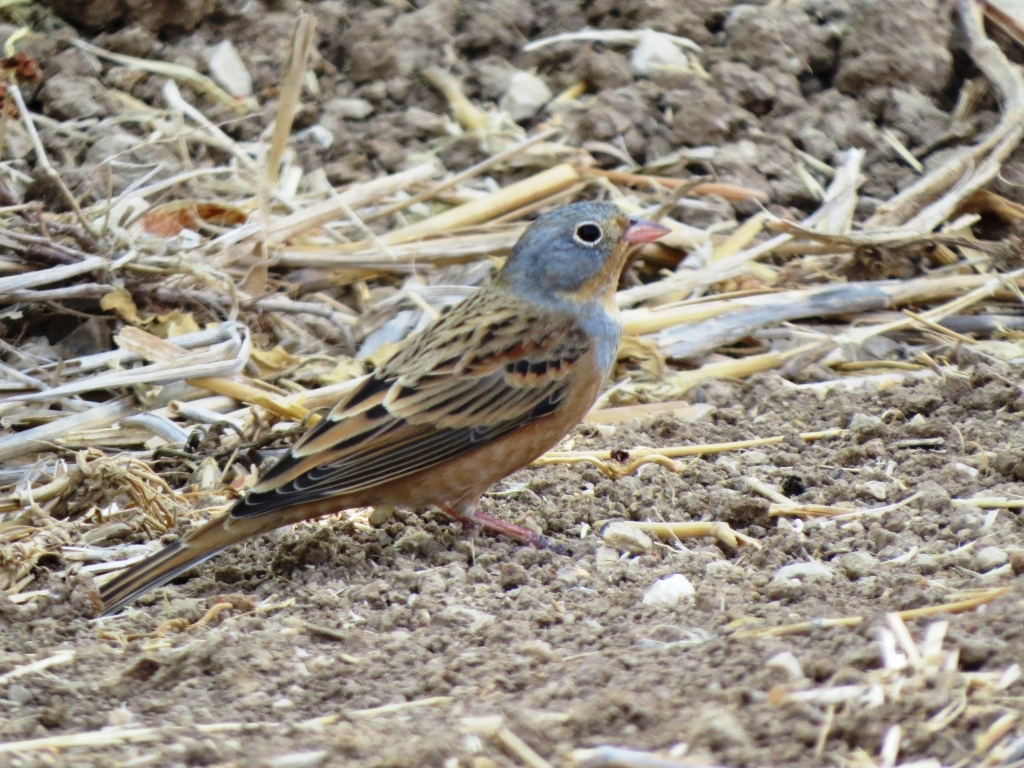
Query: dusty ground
point(561, 644)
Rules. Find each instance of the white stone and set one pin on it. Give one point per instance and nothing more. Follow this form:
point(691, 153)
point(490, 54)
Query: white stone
point(729, 465)
point(863, 421)
point(803, 570)
point(656, 51)
point(525, 96)
point(966, 469)
point(299, 759)
point(875, 489)
point(605, 556)
point(228, 70)
point(19, 694)
point(380, 515)
point(786, 662)
point(718, 566)
point(322, 136)
point(879, 347)
point(667, 592)
point(122, 717)
point(990, 558)
point(698, 413)
point(627, 538)
point(351, 109)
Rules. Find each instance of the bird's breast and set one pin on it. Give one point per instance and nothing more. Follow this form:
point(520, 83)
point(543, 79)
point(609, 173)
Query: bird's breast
point(605, 330)
point(469, 475)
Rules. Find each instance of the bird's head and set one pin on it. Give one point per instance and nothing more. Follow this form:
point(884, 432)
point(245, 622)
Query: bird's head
point(576, 253)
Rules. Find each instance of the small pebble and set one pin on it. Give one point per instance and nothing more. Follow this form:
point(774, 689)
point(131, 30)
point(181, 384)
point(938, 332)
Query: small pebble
point(539, 650)
point(512, 575)
point(786, 662)
point(1017, 562)
point(381, 515)
point(656, 51)
point(989, 558)
point(254, 700)
point(698, 413)
point(122, 717)
point(605, 556)
point(282, 705)
point(718, 566)
point(667, 592)
point(323, 137)
point(975, 651)
point(352, 109)
point(299, 759)
point(857, 565)
point(803, 570)
point(729, 465)
point(863, 422)
point(525, 96)
point(719, 729)
point(434, 584)
point(19, 694)
point(627, 538)
point(228, 70)
point(755, 458)
point(819, 668)
point(967, 470)
point(875, 489)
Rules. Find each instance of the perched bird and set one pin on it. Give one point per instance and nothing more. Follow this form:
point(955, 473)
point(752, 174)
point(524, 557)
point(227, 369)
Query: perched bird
point(481, 392)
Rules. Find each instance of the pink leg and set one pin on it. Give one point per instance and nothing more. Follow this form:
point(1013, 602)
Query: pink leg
point(470, 518)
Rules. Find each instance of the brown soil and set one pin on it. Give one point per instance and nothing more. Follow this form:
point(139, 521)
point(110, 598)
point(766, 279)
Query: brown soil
point(561, 644)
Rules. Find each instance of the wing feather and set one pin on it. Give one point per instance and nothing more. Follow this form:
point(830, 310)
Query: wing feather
point(468, 379)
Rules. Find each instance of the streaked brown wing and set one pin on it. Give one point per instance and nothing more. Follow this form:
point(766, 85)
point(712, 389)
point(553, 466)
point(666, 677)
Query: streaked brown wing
point(473, 376)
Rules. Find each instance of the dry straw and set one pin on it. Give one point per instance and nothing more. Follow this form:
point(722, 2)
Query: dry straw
point(251, 296)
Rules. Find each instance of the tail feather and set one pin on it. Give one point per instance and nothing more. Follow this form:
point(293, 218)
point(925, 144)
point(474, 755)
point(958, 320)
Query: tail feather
point(205, 542)
point(174, 559)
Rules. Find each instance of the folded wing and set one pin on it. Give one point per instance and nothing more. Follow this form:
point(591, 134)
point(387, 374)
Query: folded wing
point(475, 375)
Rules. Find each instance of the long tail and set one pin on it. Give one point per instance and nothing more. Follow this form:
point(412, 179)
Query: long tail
point(174, 559)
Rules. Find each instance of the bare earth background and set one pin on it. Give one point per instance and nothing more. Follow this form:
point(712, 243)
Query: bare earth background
point(334, 618)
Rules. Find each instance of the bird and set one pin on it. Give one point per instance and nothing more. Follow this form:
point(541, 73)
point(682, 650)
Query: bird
point(479, 393)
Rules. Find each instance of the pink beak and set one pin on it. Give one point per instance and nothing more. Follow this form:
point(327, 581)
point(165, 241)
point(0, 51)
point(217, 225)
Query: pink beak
point(641, 231)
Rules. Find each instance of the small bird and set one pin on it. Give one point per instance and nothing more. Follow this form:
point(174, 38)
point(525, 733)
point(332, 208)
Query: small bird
point(481, 392)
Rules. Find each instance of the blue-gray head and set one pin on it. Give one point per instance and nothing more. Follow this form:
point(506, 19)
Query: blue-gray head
point(576, 252)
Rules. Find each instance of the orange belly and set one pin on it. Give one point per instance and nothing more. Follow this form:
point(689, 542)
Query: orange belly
point(464, 479)
point(467, 477)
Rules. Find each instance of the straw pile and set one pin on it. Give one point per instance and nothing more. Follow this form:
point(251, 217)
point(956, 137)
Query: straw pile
point(231, 336)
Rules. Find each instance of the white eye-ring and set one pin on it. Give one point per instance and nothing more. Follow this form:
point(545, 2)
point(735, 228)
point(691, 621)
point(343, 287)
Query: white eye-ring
point(588, 233)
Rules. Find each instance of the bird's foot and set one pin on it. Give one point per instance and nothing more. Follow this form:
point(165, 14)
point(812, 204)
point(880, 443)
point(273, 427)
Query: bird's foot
point(490, 523)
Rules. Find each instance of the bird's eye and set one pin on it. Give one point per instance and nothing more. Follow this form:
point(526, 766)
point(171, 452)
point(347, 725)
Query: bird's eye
point(588, 233)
